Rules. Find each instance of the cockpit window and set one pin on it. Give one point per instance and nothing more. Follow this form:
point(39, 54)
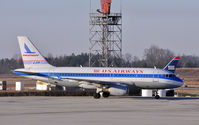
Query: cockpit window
point(169, 75)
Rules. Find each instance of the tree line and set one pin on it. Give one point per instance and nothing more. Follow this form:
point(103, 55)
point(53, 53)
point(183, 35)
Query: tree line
point(152, 57)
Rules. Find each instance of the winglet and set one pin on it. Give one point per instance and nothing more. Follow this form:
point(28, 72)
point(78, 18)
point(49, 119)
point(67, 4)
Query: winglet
point(171, 66)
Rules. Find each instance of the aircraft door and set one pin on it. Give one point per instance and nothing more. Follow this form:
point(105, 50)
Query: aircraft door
point(155, 76)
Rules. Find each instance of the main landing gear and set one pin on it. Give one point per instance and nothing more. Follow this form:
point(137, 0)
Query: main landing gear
point(104, 94)
point(97, 95)
point(102, 91)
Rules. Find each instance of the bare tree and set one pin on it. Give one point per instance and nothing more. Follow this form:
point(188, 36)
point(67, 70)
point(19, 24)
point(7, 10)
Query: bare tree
point(155, 56)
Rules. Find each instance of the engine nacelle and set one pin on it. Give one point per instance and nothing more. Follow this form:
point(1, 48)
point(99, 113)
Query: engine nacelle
point(87, 86)
point(118, 90)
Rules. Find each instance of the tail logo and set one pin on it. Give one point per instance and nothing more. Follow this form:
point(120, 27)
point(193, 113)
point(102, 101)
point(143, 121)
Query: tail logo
point(171, 67)
point(28, 51)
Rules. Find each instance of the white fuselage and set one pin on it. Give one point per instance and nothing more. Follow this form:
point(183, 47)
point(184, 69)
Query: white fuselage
point(146, 78)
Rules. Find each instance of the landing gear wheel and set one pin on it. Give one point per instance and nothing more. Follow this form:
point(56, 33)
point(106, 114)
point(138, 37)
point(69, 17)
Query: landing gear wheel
point(106, 94)
point(97, 95)
point(157, 97)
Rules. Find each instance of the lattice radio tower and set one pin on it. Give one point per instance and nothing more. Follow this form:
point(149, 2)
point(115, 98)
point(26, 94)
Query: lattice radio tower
point(105, 36)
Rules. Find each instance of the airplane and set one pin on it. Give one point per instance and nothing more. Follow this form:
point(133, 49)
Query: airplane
point(106, 80)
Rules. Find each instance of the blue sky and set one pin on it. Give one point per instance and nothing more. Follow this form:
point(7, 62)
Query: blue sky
point(61, 27)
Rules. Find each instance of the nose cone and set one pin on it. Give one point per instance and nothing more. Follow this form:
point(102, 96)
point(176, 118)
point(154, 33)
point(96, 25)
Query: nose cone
point(179, 82)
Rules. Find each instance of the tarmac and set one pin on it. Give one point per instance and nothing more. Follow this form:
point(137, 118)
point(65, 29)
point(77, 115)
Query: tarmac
point(89, 111)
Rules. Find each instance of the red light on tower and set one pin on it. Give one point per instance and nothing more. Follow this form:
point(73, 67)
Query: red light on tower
point(106, 6)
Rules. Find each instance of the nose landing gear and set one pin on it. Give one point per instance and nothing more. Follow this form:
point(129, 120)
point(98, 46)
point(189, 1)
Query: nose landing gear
point(156, 95)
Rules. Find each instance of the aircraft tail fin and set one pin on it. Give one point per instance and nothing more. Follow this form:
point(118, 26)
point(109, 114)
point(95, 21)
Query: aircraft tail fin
point(32, 58)
point(171, 66)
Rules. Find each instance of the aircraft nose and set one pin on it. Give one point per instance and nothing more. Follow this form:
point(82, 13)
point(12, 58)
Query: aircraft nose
point(180, 83)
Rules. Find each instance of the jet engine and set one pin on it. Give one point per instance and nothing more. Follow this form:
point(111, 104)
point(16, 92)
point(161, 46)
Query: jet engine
point(117, 90)
point(87, 86)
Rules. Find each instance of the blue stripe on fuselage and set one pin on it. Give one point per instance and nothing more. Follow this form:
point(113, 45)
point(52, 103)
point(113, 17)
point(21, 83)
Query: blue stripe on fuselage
point(105, 75)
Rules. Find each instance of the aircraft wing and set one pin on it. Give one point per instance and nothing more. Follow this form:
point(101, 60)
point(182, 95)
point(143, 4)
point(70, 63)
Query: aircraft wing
point(88, 81)
point(93, 81)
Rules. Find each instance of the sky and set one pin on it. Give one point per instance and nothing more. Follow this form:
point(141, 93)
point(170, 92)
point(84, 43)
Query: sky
point(61, 27)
